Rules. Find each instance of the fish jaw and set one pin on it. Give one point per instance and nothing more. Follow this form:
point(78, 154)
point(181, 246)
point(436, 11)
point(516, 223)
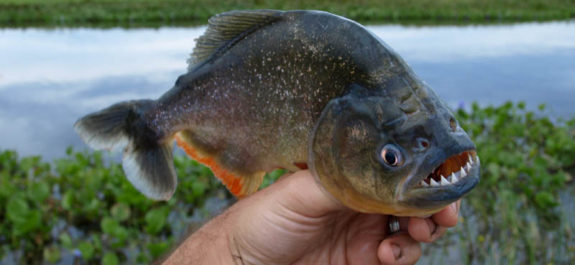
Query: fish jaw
point(446, 183)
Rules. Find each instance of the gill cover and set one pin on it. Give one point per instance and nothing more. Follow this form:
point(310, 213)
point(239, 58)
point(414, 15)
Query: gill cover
point(344, 153)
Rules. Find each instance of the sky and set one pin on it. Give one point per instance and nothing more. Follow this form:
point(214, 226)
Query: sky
point(50, 78)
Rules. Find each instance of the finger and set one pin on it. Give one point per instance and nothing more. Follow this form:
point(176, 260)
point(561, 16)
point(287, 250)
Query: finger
point(399, 249)
point(448, 216)
point(424, 229)
point(421, 229)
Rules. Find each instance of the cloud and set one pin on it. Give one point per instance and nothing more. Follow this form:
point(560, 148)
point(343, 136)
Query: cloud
point(86, 54)
point(456, 43)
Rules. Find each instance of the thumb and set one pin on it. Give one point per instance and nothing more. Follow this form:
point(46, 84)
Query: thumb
point(302, 193)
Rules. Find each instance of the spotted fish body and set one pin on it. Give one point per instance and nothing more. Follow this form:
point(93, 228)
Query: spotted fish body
point(270, 89)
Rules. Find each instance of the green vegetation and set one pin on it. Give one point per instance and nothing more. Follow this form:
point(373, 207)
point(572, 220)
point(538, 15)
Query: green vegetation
point(159, 12)
point(79, 204)
point(82, 207)
point(514, 215)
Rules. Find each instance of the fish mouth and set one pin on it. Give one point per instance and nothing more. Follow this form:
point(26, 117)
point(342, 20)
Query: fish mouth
point(454, 170)
point(447, 182)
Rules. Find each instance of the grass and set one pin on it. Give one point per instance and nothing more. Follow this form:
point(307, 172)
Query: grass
point(69, 13)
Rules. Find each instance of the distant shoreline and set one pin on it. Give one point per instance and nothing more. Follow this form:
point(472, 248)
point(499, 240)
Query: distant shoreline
point(155, 13)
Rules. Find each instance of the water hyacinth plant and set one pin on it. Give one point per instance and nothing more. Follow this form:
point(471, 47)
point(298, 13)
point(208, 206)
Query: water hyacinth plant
point(82, 210)
point(522, 211)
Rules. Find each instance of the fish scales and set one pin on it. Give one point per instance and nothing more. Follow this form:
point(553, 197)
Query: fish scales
point(262, 112)
point(271, 89)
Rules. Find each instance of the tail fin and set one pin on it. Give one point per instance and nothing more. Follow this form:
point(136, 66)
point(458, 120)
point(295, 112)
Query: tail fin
point(148, 160)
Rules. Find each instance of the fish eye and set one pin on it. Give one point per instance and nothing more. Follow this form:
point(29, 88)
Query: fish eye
point(391, 155)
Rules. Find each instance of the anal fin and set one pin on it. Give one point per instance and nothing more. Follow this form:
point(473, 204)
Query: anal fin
point(238, 185)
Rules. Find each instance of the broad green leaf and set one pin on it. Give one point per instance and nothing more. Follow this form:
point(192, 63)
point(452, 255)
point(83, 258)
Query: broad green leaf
point(17, 209)
point(32, 222)
point(87, 250)
point(120, 211)
point(121, 233)
point(545, 199)
point(198, 188)
point(66, 240)
point(52, 254)
point(68, 200)
point(110, 258)
point(109, 225)
point(155, 220)
point(157, 249)
point(93, 207)
point(39, 191)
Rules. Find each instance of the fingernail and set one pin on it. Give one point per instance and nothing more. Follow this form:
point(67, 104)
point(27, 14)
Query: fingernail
point(396, 251)
point(455, 209)
point(432, 226)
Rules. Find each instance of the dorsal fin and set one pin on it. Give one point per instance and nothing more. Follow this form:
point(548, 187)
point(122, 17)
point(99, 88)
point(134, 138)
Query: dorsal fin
point(226, 29)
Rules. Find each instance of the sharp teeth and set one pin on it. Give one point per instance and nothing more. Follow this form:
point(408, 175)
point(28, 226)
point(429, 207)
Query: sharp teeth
point(444, 181)
point(454, 178)
point(432, 183)
point(469, 159)
point(468, 166)
point(424, 184)
point(463, 173)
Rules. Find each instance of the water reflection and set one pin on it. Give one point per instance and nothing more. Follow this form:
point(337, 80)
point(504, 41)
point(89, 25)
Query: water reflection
point(49, 78)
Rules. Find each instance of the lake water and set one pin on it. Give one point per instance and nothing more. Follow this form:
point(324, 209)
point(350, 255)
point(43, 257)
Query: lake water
point(49, 78)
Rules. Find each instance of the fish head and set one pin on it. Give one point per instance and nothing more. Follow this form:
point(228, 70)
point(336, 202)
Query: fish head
point(373, 156)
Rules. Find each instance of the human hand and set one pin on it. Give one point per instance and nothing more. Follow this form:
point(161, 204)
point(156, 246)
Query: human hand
point(294, 221)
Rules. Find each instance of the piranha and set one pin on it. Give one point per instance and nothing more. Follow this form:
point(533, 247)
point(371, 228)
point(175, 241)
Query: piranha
point(269, 89)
